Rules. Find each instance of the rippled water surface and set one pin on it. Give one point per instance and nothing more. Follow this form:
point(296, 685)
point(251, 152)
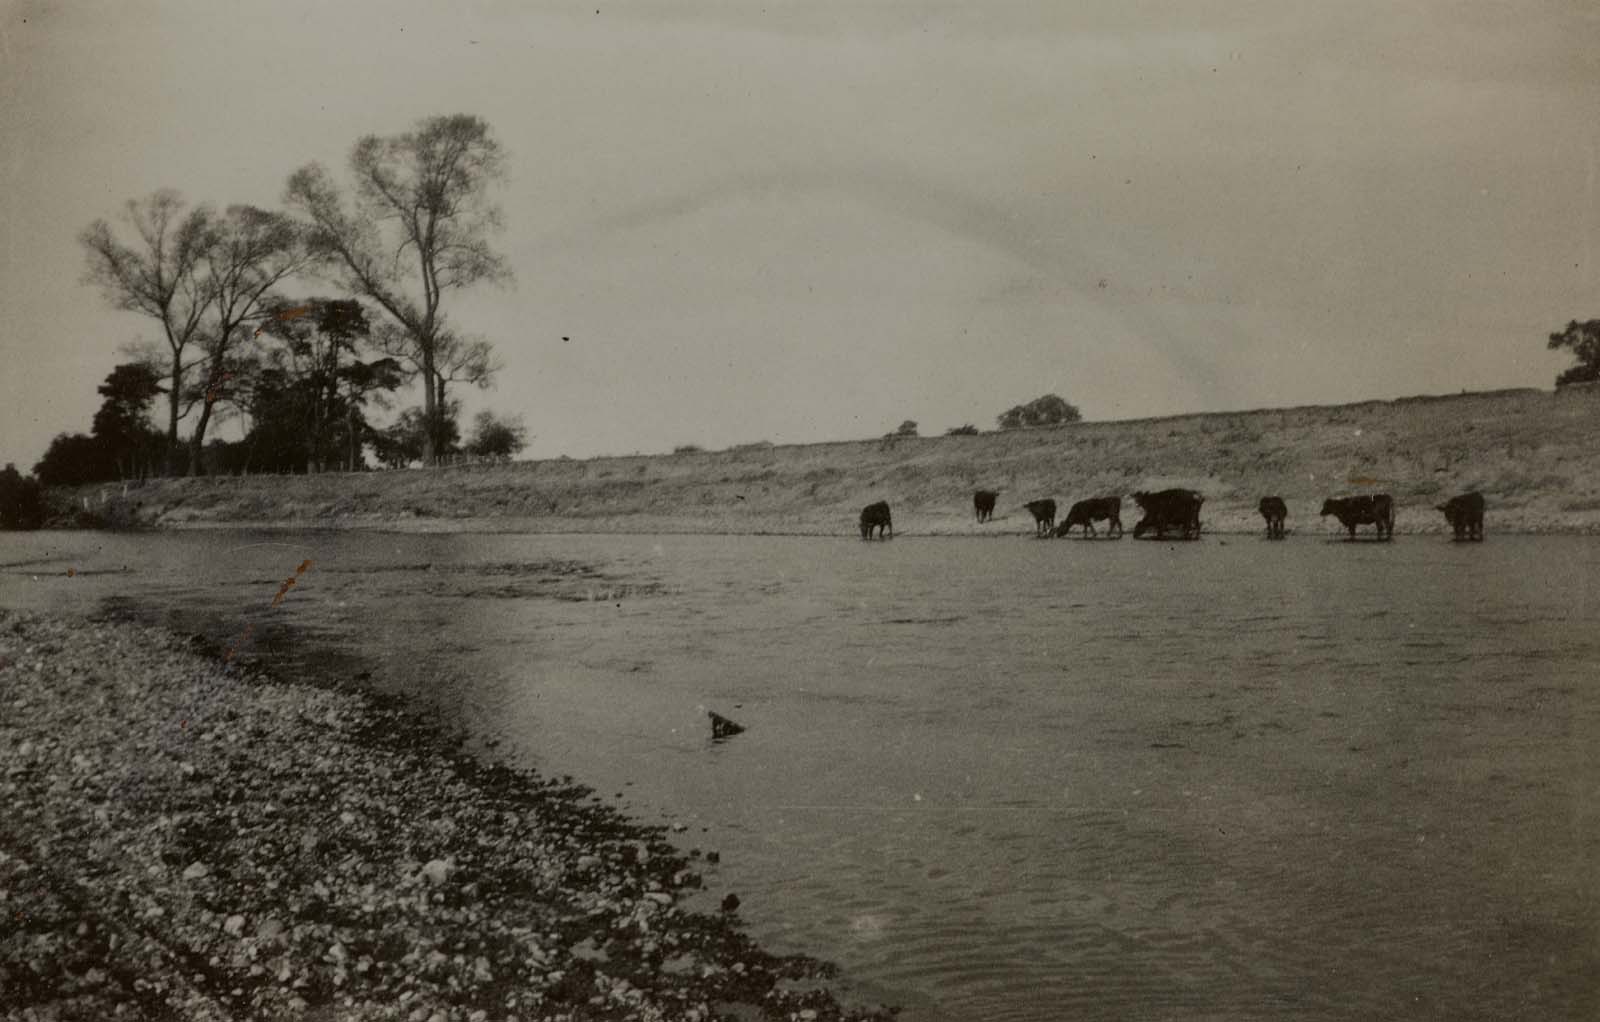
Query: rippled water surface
point(1013, 779)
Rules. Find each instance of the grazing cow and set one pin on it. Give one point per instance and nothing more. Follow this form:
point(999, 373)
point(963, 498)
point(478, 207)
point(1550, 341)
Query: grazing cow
point(1377, 509)
point(1169, 509)
point(876, 516)
point(1044, 515)
point(983, 503)
point(1274, 510)
point(1465, 515)
point(1095, 509)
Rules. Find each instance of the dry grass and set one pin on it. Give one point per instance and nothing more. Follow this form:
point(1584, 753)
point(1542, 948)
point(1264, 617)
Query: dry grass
point(1531, 453)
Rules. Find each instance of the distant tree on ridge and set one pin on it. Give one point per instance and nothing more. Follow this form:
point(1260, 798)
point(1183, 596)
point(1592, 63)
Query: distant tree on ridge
point(1049, 410)
point(1584, 341)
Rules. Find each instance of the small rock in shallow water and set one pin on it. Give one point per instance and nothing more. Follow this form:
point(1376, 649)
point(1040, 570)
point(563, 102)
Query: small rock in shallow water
point(730, 903)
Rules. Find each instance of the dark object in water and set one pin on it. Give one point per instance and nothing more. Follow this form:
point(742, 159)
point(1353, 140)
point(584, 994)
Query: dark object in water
point(1465, 515)
point(1087, 512)
point(722, 727)
point(1375, 509)
point(730, 903)
point(983, 504)
point(1169, 509)
point(876, 516)
point(1274, 510)
point(1044, 515)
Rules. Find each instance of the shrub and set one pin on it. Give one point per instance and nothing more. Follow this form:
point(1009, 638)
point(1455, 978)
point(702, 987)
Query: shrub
point(21, 500)
point(1049, 410)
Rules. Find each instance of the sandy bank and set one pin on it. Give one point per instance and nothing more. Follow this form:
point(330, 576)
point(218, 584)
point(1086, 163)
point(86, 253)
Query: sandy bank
point(182, 839)
point(1531, 453)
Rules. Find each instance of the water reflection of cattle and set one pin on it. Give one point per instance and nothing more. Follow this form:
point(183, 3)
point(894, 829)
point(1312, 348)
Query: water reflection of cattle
point(1274, 510)
point(983, 504)
point(1095, 509)
point(1376, 509)
point(1465, 515)
point(1169, 510)
point(876, 516)
point(1044, 515)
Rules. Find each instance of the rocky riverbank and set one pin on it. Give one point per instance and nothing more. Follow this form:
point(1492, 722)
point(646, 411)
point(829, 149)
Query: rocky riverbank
point(183, 838)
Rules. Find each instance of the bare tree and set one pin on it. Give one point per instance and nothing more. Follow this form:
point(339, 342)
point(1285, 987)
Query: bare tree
point(161, 277)
point(249, 252)
point(455, 360)
point(418, 228)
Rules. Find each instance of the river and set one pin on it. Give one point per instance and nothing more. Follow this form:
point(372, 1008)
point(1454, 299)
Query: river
point(1004, 778)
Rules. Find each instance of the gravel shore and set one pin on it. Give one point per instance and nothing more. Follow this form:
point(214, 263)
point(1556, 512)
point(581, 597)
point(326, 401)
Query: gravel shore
point(180, 838)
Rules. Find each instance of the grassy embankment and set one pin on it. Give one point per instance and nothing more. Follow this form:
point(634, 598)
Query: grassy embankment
point(1533, 454)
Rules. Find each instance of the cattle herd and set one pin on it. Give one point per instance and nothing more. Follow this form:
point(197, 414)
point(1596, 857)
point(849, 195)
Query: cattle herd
point(1177, 511)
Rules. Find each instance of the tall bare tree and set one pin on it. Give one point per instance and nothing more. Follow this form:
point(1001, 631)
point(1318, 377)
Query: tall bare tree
point(160, 276)
point(249, 252)
point(418, 228)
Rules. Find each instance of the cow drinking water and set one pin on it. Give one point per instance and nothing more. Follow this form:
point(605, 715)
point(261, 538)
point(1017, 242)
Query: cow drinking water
point(1169, 510)
point(1095, 509)
point(1274, 510)
point(1465, 515)
point(876, 516)
point(1376, 509)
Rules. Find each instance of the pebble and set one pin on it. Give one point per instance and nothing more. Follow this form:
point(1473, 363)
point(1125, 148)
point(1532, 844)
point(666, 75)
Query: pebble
point(437, 871)
point(355, 912)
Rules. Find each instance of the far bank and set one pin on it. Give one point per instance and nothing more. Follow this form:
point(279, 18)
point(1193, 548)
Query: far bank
point(1533, 454)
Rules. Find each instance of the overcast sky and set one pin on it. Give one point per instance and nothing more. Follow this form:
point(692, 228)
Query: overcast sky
point(806, 220)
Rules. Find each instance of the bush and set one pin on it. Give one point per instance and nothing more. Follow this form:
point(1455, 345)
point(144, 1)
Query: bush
point(21, 500)
point(688, 449)
point(496, 437)
point(74, 458)
point(967, 430)
point(1049, 410)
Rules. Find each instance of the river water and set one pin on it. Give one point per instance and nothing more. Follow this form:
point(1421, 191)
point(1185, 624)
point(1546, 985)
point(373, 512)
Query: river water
point(1002, 778)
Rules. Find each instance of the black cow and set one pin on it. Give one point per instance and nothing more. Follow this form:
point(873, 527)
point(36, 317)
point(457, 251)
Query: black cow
point(1274, 510)
point(1095, 509)
point(876, 516)
point(1376, 509)
point(1465, 515)
point(1169, 509)
point(983, 504)
point(1044, 515)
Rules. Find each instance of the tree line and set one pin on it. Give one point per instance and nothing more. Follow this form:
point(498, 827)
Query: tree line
point(408, 229)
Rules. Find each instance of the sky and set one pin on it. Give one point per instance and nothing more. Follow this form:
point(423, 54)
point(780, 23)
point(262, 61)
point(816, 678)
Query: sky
point(811, 220)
